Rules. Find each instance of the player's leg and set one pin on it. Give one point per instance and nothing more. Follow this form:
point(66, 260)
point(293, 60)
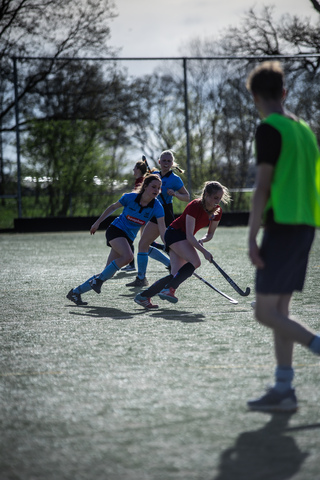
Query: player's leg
point(184, 260)
point(150, 233)
point(120, 255)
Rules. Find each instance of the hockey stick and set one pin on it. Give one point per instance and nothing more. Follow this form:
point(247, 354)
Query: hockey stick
point(231, 300)
point(160, 246)
point(144, 159)
point(229, 280)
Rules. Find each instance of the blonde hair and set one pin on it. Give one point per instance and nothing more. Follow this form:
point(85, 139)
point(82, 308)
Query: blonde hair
point(209, 188)
point(175, 165)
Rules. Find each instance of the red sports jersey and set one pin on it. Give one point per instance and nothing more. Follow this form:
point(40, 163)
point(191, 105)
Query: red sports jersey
point(138, 182)
point(195, 209)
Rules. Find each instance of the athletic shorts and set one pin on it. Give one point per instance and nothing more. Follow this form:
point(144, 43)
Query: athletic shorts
point(113, 232)
point(172, 235)
point(168, 215)
point(285, 252)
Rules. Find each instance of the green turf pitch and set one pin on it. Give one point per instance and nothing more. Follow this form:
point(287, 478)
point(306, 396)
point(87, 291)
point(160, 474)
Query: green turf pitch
point(109, 391)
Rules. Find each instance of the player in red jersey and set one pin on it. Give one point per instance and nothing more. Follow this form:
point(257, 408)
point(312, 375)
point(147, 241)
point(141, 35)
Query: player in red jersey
point(182, 244)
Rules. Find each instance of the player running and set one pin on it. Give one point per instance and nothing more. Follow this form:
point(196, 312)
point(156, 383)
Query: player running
point(139, 207)
point(183, 245)
point(172, 186)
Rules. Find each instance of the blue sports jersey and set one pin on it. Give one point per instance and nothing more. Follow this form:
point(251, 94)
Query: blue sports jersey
point(170, 180)
point(134, 216)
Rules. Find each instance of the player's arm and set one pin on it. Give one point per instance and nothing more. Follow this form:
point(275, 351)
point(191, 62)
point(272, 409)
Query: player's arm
point(181, 194)
point(108, 211)
point(162, 227)
point(190, 226)
point(259, 201)
point(211, 229)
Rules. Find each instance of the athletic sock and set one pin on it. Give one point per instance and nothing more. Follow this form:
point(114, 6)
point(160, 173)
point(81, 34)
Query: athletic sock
point(314, 345)
point(142, 260)
point(84, 287)
point(159, 256)
point(109, 271)
point(283, 377)
point(156, 287)
point(182, 274)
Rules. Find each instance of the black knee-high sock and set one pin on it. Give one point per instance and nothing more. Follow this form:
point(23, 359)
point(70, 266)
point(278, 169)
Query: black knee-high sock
point(156, 287)
point(182, 274)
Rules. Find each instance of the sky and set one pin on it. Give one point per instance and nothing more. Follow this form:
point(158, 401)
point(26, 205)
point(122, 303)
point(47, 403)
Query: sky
point(153, 28)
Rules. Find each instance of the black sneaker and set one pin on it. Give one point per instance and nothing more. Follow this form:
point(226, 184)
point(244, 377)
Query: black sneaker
point(75, 298)
point(96, 284)
point(138, 282)
point(274, 401)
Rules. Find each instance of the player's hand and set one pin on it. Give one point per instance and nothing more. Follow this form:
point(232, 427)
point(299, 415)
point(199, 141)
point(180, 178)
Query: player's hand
point(171, 192)
point(254, 254)
point(94, 228)
point(207, 255)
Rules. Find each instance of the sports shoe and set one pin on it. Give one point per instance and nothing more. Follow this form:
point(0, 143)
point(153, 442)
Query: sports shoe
point(96, 284)
point(144, 302)
point(75, 298)
point(274, 401)
point(138, 282)
point(168, 294)
point(128, 268)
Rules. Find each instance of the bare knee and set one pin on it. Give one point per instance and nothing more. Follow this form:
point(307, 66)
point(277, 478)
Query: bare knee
point(197, 263)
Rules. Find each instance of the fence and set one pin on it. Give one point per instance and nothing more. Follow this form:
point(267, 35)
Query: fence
point(193, 90)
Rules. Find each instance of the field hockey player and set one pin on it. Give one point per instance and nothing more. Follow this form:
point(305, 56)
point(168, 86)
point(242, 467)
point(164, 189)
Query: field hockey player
point(183, 245)
point(172, 186)
point(139, 207)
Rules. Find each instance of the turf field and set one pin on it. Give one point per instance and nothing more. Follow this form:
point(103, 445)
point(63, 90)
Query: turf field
point(109, 391)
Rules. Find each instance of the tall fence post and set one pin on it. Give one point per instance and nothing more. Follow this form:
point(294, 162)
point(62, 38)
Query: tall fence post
point(16, 103)
point(186, 114)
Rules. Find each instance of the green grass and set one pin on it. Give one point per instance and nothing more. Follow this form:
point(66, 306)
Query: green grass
point(110, 391)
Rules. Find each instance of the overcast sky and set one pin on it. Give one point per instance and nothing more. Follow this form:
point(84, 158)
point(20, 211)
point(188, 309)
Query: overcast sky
point(158, 28)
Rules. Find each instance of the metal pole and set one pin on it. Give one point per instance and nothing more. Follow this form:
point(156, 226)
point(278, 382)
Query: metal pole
point(16, 102)
point(186, 113)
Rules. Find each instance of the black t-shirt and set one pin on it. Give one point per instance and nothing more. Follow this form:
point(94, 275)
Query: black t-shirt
point(268, 144)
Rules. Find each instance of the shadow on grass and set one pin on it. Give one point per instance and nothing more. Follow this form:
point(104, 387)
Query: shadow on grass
point(102, 312)
point(116, 313)
point(268, 453)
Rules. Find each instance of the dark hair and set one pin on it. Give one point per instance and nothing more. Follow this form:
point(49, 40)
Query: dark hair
point(267, 80)
point(142, 166)
point(147, 180)
point(210, 188)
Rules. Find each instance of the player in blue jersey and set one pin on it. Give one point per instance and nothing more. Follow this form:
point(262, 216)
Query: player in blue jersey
point(139, 207)
point(172, 186)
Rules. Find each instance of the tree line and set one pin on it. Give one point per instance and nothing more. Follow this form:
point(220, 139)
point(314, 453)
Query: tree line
point(82, 122)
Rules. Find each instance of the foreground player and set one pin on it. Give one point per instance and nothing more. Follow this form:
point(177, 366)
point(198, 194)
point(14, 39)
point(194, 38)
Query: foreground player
point(138, 209)
point(172, 186)
point(287, 198)
point(180, 238)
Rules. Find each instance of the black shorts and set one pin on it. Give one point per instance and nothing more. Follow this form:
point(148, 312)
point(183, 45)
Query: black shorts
point(285, 252)
point(168, 215)
point(172, 235)
point(113, 232)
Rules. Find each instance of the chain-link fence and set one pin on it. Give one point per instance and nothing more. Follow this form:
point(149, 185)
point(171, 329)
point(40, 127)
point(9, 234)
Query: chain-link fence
point(74, 127)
